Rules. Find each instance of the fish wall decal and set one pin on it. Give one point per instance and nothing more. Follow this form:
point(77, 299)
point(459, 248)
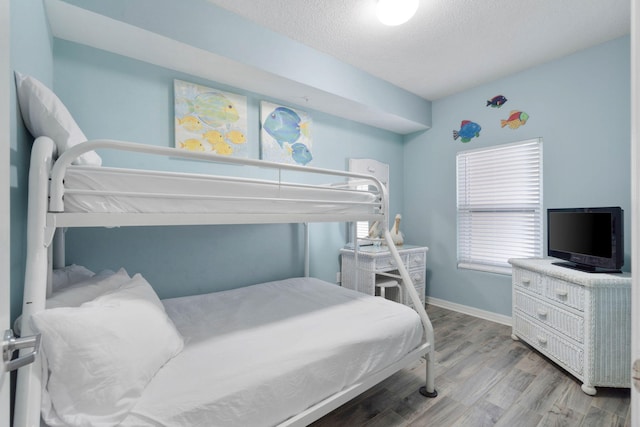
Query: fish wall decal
point(497, 101)
point(468, 130)
point(515, 120)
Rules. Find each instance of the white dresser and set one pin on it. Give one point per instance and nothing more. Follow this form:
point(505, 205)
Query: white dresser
point(375, 264)
point(581, 321)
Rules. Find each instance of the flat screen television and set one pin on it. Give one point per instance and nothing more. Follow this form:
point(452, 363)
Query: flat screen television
point(589, 239)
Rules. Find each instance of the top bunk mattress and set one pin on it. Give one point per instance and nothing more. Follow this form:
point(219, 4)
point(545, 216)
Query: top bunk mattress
point(258, 355)
point(115, 190)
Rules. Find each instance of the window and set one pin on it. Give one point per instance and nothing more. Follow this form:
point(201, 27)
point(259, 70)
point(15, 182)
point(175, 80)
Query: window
point(499, 205)
point(370, 167)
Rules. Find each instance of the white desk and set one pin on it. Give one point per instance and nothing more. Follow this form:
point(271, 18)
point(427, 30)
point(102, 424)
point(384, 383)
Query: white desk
point(376, 264)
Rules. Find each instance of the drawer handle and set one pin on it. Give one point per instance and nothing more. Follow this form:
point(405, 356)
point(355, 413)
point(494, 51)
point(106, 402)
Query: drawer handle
point(542, 340)
point(561, 292)
point(542, 313)
point(526, 282)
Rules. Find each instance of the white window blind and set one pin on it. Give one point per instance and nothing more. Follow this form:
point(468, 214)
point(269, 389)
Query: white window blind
point(499, 205)
point(362, 227)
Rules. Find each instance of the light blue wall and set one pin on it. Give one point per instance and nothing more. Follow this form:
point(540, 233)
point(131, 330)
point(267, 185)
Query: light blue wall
point(115, 97)
point(579, 105)
point(211, 28)
point(31, 53)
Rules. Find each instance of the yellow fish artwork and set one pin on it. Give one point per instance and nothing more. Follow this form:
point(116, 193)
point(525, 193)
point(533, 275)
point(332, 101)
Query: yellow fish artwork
point(190, 123)
point(223, 148)
point(213, 137)
point(236, 137)
point(192, 144)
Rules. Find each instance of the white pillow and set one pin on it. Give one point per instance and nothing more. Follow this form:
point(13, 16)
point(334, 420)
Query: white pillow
point(78, 292)
point(45, 115)
point(89, 289)
point(102, 354)
point(69, 275)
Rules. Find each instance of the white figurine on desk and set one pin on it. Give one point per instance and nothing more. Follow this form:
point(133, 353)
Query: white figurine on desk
point(396, 234)
point(376, 230)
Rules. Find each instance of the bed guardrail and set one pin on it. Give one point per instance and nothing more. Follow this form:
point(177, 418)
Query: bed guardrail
point(65, 160)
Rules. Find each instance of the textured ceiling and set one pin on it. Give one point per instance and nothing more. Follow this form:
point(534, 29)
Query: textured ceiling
point(449, 45)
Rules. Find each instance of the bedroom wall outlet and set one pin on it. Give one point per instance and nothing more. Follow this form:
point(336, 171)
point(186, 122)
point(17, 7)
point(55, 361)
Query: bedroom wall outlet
point(338, 278)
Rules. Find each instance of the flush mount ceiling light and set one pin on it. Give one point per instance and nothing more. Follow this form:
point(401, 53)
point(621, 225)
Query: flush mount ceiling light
point(396, 12)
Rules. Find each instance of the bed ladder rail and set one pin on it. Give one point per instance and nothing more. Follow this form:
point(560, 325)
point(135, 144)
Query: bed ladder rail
point(429, 389)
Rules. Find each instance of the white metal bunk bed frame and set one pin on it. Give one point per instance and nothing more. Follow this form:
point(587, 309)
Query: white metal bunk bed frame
point(46, 217)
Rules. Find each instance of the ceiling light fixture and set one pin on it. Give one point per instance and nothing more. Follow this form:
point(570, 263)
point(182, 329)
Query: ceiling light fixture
point(396, 12)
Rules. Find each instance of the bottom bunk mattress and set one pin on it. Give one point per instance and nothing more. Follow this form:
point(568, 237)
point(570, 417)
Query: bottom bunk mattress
point(258, 355)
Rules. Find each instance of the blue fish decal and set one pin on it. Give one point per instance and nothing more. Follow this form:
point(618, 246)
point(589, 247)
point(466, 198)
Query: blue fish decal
point(283, 124)
point(300, 153)
point(497, 101)
point(468, 130)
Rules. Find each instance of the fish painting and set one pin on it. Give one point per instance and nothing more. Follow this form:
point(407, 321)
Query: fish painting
point(192, 144)
point(209, 119)
point(222, 148)
point(284, 125)
point(468, 130)
point(235, 136)
point(213, 137)
point(300, 153)
point(285, 134)
point(497, 101)
point(515, 120)
point(213, 109)
point(190, 123)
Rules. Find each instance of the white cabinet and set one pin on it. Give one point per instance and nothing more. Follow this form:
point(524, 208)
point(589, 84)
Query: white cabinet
point(581, 321)
point(375, 264)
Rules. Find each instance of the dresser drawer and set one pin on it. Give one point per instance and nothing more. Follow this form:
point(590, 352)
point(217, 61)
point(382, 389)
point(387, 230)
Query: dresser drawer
point(550, 315)
point(527, 279)
point(417, 277)
point(564, 292)
point(416, 260)
point(567, 354)
point(385, 263)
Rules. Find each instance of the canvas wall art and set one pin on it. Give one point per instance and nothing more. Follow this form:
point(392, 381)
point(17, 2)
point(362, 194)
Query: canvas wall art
point(210, 120)
point(285, 134)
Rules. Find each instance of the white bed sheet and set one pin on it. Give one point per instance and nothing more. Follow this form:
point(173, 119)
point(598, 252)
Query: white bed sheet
point(102, 190)
point(256, 356)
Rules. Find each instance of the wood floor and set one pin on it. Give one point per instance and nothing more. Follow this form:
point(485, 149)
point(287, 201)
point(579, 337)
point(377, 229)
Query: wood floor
point(483, 378)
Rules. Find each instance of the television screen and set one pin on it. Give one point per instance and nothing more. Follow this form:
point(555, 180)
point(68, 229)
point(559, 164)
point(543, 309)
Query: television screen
point(589, 238)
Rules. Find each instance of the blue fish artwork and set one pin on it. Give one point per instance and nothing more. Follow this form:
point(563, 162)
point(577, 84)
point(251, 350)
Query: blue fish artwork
point(497, 101)
point(285, 134)
point(283, 124)
point(300, 153)
point(468, 130)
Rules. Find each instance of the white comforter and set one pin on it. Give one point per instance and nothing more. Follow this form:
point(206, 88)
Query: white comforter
point(258, 355)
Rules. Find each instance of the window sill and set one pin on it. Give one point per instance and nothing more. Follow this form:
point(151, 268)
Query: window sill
point(485, 268)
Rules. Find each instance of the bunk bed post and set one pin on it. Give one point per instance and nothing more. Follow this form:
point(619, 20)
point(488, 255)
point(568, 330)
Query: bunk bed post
point(306, 249)
point(429, 390)
point(28, 389)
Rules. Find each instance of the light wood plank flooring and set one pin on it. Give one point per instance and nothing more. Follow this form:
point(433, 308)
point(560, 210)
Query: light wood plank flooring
point(483, 378)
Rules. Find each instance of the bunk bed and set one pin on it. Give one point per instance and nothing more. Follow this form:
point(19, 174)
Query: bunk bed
point(312, 375)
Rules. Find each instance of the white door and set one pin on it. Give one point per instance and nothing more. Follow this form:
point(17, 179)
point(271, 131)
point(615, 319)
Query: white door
point(635, 210)
point(5, 152)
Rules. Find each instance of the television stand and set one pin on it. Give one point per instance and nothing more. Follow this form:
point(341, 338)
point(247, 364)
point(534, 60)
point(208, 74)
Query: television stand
point(586, 268)
point(580, 321)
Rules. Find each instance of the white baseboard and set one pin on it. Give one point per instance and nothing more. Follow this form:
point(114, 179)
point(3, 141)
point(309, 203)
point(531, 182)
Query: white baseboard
point(471, 311)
